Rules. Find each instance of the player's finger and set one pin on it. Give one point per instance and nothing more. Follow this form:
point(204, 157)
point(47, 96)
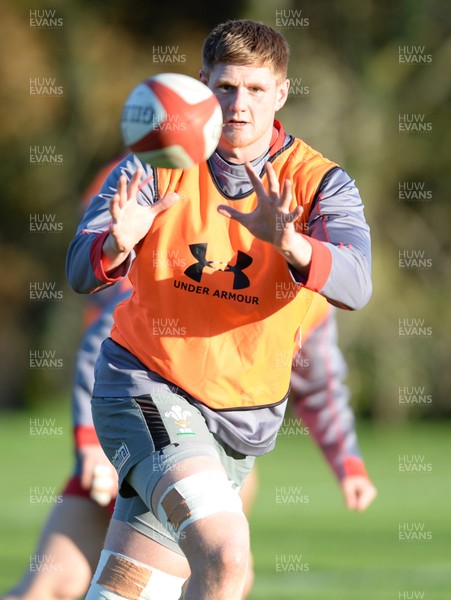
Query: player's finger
point(104, 483)
point(287, 195)
point(166, 202)
point(255, 180)
point(122, 191)
point(351, 488)
point(351, 498)
point(366, 497)
point(274, 186)
point(115, 209)
point(297, 213)
point(231, 213)
point(133, 186)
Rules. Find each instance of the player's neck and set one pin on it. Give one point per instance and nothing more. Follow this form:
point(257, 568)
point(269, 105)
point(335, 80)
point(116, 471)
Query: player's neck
point(242, 154)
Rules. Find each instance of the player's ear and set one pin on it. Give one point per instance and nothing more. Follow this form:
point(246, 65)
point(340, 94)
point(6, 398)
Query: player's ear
point(282, 93)
point(203, 77)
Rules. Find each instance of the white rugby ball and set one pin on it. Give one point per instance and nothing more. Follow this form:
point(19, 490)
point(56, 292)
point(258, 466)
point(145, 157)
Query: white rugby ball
point(171, 120)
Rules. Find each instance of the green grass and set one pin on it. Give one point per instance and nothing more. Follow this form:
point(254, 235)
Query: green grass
point(338, 555)
point(349, 555)
point(29, 461)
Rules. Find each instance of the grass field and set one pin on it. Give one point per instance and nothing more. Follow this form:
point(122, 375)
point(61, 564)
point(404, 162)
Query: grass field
point(305, 544)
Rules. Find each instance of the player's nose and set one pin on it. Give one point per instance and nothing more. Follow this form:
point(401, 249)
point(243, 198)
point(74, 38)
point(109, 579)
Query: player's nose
point(237, 101)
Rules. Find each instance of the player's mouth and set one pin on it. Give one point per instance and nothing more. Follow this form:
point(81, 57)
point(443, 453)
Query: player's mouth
point(236, 123)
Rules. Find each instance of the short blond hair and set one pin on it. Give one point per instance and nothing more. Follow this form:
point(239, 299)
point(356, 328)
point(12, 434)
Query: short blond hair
point(249, 43)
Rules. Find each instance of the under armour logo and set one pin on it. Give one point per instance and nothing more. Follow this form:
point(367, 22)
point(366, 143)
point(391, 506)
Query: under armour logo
point(195, 271)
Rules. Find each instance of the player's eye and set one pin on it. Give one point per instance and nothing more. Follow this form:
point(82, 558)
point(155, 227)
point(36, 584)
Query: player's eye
point(225, 87)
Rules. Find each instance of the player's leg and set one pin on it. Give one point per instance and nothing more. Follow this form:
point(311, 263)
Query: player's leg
point(67, 553)
point(198, 505)
point(120, 575)
point(249, 491)
point(194, 499)
point(133, 565)
point(248, 494)
point(133, 514)
point(136, 534)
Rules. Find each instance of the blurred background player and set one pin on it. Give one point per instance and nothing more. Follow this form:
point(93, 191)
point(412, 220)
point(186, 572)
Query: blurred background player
point(74, 532)
point(321, 402)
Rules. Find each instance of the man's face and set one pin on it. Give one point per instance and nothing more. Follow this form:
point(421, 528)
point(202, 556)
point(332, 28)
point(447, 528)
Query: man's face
point(249, 97)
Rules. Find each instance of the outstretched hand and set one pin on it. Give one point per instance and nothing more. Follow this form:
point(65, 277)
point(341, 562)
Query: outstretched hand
point(272, 221)
point(358, 492)
point(130, 220)
point(92, 460)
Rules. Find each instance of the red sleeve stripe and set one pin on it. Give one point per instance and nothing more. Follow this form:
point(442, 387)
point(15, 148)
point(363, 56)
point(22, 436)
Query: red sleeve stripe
point(331, 386)
point(85, 435)
point(354, 466)
point(320, 266)
point(96, 259)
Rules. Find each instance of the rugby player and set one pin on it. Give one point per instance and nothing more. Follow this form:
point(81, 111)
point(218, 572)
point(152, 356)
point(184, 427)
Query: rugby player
point(182, 415)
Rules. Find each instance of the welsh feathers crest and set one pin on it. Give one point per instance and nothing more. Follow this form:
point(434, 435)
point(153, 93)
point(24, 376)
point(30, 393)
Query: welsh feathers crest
point(181, 418)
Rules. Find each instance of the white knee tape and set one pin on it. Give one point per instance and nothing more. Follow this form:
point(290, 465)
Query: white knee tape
point(121, 578)
point(196, 497)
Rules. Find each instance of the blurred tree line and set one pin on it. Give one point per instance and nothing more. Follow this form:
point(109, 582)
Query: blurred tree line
point(66, 68)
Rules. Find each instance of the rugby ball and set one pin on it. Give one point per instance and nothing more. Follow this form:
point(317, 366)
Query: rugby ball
point(171, 120)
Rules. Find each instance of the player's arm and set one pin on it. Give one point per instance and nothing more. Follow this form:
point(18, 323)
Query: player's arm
point(337, 226)
point(340, 267)
point(94, 463)
point(89, 268)
point(84, 268)
point(321, 400)
point(87, 353)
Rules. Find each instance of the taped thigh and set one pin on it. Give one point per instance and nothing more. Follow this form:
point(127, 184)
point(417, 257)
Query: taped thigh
point(135, 513)
point(196, 497)
point(121, 578)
